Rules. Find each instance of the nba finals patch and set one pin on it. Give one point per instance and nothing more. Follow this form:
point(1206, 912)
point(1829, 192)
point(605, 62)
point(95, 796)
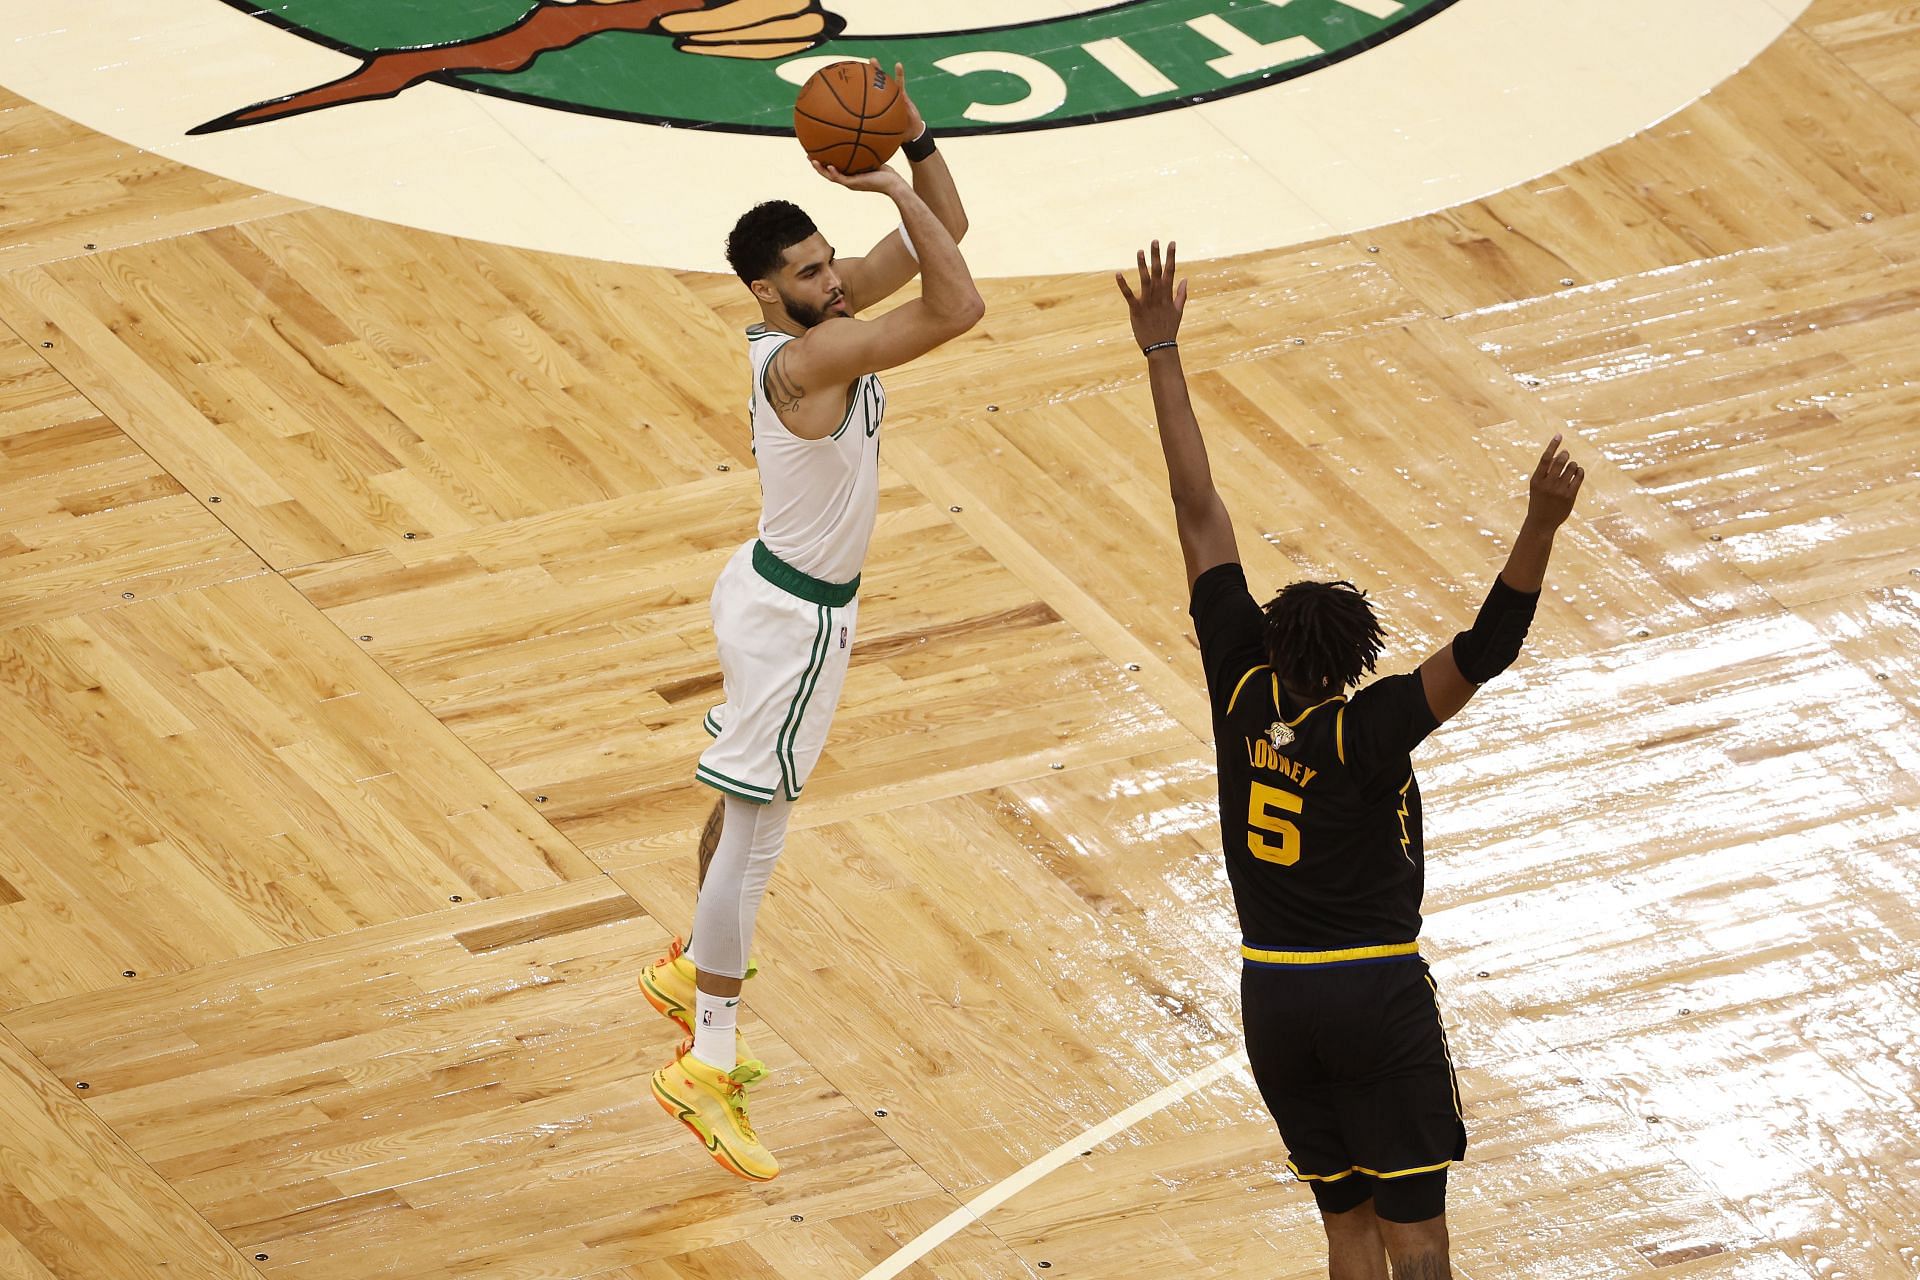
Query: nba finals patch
point(637, 130)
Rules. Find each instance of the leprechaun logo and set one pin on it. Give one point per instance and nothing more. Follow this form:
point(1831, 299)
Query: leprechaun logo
point(731, 64)
point(636, 130)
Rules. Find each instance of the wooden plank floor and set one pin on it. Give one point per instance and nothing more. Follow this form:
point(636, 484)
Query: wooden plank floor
point(71, 191)
point(353, 646)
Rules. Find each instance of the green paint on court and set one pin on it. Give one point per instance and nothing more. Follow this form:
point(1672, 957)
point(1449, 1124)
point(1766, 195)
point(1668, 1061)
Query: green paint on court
point(1130, 59)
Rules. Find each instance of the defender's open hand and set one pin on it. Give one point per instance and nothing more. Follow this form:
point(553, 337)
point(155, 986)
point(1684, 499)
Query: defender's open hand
point(1554, 486)
point(1157, 308)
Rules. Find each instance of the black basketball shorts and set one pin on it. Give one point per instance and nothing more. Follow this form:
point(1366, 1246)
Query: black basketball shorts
point(1352, 1061)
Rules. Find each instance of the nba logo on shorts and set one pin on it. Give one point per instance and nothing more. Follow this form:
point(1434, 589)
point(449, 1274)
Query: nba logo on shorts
point(843, 637)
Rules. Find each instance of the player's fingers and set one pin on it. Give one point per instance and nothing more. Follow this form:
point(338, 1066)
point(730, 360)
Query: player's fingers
point(1173, 247)
point(1120, 278)
point(1156, 261)
point(1142, 258)
point(1180, 296)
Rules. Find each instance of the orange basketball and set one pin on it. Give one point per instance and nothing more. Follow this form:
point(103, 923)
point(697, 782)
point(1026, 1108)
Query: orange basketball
point(851, 115)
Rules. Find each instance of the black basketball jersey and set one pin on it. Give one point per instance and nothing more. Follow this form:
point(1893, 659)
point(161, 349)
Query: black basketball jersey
point(1319, 810)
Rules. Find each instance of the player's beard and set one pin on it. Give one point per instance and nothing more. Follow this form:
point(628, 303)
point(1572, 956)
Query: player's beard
point(802, 314)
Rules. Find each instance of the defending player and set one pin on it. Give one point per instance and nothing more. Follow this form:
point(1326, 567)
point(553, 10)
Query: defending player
point(1320, 818)
point(785, 605)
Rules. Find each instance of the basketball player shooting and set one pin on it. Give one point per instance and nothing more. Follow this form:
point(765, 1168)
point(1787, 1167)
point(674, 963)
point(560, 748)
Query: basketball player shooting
point(785, 606)
point(1320, 823)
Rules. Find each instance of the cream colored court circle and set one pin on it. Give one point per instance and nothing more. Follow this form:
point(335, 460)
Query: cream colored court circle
point(1484, 95)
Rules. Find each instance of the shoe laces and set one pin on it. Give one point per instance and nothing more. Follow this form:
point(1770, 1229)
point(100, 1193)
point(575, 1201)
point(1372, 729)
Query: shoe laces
point(749, 1072)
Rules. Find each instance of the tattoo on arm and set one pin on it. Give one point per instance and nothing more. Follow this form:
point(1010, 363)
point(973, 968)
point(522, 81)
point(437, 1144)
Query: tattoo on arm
point(783, 392)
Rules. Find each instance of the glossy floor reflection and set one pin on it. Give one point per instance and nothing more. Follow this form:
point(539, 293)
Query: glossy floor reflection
point(353, 648)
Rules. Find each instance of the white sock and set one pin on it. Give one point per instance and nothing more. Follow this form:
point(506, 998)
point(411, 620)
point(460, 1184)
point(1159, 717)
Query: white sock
point(715, 1018)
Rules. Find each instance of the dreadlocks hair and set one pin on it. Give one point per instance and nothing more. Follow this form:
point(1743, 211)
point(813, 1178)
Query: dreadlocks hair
point(1322, 636)
point(763, 234)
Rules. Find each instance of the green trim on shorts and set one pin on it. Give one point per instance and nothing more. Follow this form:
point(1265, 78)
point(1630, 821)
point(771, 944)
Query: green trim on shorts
point(733, 786)
point(797, 709)
point(834, 595)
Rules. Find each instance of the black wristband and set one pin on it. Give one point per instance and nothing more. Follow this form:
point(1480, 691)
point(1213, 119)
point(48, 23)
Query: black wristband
point(1159, 346)
point(1498, 632)
point(919, 148)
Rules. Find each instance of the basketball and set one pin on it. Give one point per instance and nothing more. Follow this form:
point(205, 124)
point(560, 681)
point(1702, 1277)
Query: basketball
point(851, 115)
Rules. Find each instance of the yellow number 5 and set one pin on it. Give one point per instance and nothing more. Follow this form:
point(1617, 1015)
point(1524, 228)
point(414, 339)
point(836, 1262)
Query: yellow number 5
point(1261, 803)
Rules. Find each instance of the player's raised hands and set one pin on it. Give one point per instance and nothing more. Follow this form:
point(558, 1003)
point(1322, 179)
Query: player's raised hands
point(883, 179)
point(916, 123)
point(1553, 487)
point(1157, 308)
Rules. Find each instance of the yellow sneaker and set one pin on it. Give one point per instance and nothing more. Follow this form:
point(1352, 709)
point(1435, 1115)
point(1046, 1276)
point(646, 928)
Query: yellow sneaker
point(668, 985)
point(713, 1103)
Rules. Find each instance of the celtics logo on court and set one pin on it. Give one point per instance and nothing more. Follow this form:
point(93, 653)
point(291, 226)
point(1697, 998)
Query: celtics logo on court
point(633, 130)
point(731, 65)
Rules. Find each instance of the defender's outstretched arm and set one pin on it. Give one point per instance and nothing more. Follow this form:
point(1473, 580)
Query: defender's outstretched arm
point(1206, 531)
point(1457, 670)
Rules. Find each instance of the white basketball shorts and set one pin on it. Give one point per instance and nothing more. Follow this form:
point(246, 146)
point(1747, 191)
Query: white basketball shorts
point(784, 639)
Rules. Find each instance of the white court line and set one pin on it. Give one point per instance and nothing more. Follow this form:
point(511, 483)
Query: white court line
point(992, 1198)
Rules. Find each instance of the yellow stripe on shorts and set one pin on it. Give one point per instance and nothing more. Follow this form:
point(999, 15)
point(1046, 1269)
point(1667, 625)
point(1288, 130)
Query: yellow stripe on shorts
point(1341, 956)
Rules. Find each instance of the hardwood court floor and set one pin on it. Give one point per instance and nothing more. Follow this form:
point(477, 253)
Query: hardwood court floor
point(353, 648)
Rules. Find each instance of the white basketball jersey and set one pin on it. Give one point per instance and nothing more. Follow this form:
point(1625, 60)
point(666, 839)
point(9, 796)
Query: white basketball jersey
point(819, 498)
